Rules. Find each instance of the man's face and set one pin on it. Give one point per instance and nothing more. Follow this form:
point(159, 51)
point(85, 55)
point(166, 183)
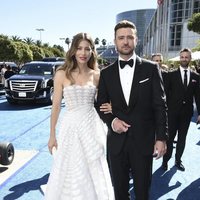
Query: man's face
point(125, 42)
point(157, 59)
point(185, 58)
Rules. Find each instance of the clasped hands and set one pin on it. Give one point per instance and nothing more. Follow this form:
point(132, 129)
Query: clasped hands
point(120, 126)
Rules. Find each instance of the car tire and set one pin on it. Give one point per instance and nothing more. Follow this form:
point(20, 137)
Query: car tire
point(6, 153)
point(50, 99)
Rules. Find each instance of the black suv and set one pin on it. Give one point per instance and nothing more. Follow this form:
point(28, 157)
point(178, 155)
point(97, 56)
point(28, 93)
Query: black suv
point(33, 82)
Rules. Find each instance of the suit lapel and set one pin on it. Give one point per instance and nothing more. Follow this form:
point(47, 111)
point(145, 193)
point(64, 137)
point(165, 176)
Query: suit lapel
point(135, 83)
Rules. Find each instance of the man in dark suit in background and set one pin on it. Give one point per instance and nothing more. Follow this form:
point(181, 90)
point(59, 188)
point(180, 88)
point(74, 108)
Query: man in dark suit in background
point(158, 58)
point(181, 88)
point(137, 127)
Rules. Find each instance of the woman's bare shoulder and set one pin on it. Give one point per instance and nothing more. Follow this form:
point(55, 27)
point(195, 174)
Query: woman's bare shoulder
point(60, 71)
point(60, 74)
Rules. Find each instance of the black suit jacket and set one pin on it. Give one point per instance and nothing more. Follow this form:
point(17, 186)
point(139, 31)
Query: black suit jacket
point(146, 112)
point(179, 98)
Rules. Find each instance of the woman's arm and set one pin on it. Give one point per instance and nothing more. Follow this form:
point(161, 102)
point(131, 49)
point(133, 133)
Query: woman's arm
point(56, 105)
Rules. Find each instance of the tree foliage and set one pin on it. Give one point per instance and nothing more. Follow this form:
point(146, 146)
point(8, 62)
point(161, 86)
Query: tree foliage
point(24, 50)
point(57, 52)
point(29, 40)
point(48, 52)
point(197, 48)
point(59, 47)
point(38, 52)
point(16, 38)
point(8, 50)
point(4, 36)
point(194, 23)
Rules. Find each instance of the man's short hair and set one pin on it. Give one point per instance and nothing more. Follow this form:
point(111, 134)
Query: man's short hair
point(186, 50)
point(156, 54)
point(125, 24)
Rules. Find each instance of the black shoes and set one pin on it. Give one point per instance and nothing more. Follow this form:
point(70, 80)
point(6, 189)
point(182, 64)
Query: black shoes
point(179, 166)
point(164, 166)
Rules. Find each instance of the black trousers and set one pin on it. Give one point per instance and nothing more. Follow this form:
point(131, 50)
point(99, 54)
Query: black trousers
point(130, 160)
point(177, 124)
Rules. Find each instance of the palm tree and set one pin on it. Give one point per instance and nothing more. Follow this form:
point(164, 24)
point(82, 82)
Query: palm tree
point(104, 42)
point(28, 40)
point(46, 45)
point(5, 37)
point(38, 43)
point(67, 41)
point(58, 47)
point(96, 41)
point(16, 38)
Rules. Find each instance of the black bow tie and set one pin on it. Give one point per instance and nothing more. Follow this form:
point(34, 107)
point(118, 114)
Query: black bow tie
point(123, 63)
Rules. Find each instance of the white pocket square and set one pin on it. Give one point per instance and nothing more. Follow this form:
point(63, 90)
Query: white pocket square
point(194, 81)
point(142, 81)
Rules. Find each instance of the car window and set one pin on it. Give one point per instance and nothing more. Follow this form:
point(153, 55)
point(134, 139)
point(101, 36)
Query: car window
point(36, 69)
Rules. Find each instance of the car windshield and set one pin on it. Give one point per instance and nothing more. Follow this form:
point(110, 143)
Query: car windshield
point(37, 69)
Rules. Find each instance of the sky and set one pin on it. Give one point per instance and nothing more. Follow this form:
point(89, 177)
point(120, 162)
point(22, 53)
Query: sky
point(64, 18)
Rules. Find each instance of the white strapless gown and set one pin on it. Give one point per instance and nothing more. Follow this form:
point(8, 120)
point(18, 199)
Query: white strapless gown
point(80, 170)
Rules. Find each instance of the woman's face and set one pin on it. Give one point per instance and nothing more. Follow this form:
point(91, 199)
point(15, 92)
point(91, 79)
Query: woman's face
point(83, 52)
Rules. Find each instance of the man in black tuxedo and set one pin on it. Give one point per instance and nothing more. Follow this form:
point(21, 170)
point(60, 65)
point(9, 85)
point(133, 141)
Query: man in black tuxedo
point(137, 126)
point(181, 88)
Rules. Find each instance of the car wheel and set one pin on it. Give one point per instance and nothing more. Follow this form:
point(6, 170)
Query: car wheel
point(50, 99)
point(51, 95)
point(6, 153)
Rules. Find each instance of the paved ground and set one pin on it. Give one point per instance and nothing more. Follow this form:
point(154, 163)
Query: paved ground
point(27, 127)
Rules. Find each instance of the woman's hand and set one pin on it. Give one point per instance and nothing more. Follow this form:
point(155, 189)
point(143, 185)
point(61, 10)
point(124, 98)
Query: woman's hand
point(52, 144)
point(106, 108)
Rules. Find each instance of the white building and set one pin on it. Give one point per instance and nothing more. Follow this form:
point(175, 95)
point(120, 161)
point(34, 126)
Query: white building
point(167, 32)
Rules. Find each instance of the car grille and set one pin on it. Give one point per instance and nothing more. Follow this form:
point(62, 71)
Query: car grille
point(23, 86)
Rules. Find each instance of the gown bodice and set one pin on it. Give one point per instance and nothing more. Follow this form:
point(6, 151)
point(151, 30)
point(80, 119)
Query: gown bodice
point(76, 96)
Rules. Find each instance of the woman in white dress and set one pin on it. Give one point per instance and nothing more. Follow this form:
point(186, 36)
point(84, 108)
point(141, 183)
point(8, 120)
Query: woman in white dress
point(80, 170)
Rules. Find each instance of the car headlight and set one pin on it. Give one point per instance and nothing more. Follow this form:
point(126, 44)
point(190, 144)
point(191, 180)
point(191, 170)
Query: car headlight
point(44, 84)
point(6, 84)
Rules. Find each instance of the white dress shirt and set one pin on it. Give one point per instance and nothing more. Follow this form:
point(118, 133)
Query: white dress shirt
point(126, 77)
point(182, 70)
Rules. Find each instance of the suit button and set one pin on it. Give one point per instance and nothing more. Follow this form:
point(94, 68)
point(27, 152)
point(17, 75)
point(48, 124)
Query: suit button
point(184, 102)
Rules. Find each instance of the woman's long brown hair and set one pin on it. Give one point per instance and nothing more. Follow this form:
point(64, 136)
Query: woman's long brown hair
point(70, 63)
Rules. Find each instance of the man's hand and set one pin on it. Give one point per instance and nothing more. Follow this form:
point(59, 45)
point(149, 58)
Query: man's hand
point(160, 148)
point(120, 126)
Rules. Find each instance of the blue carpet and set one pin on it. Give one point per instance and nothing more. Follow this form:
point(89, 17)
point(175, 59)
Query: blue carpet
point(27, 127)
